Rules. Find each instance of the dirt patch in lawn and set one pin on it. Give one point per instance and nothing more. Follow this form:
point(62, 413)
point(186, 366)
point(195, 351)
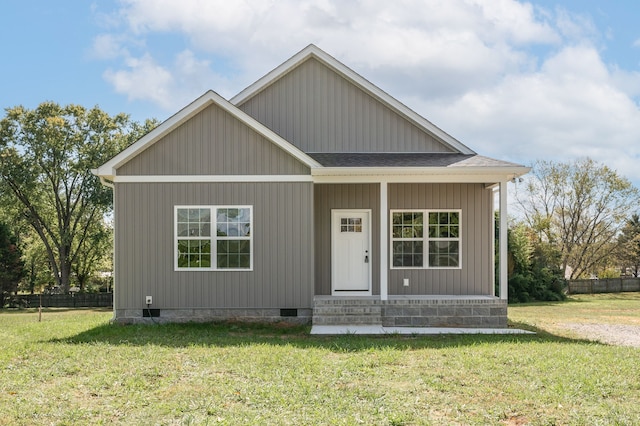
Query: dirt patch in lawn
point(614, 334)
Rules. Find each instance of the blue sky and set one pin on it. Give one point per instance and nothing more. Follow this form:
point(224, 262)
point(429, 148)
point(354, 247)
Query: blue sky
point(518, 81)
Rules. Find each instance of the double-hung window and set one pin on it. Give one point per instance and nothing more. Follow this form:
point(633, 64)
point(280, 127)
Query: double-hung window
point(425, 239)
point(213, 238)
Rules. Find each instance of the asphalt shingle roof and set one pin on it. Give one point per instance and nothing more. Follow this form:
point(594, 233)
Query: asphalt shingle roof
point(346, 159)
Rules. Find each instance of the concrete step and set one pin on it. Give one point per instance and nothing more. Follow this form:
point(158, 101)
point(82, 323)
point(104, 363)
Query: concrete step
point(347, 310)
point(347, 320)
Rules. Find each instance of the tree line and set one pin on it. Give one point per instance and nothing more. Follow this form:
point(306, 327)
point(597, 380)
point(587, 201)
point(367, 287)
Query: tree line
point(574, 219)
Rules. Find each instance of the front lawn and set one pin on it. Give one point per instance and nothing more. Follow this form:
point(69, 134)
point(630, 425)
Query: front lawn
point(76, 368)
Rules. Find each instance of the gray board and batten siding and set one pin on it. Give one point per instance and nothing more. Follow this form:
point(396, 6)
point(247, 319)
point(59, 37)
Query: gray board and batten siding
point(213, 142)
point(319, 110)
point(475, 201)
point(343, 196)
point(282, 275)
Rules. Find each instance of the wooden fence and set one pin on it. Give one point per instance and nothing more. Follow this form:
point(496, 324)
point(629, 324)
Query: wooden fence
point(607, 285)
point(84, 300)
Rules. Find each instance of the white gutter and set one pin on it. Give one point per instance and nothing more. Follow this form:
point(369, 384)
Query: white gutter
point(103, 180)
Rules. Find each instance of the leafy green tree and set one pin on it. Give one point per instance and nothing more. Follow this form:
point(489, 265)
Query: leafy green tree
point(46, 155)
point(11, 266)
point(578, 208)
point(534, 272)
point(629, 246)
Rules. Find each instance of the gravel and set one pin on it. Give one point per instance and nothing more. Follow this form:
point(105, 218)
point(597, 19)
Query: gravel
point(621, 335)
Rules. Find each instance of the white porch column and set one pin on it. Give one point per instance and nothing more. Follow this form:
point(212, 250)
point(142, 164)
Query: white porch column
point(504, 286)
point(384, 243)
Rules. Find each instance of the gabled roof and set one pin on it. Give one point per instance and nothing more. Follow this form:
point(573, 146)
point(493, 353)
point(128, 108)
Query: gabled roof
point(108, 170)
point(313, 51)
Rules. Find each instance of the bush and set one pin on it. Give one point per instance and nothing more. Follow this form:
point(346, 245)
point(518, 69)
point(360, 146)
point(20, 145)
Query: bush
point(535, 274)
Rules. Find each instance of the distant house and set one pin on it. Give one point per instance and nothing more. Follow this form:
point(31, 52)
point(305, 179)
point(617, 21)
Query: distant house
point(311, 196)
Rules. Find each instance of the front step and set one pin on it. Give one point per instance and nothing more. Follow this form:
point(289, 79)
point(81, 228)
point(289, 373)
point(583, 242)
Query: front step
point(346, 311)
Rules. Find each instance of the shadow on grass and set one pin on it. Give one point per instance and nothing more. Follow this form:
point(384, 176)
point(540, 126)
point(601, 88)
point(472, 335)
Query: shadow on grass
point(242, 334)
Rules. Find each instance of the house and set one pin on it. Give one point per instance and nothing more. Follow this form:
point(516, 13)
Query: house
point(311, 196)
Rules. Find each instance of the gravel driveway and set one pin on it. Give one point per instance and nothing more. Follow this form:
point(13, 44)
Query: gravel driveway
point(622, 335)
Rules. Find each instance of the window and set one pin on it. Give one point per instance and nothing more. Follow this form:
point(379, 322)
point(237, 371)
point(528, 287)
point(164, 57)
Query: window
point(213, 237)
point(436, 239)
point(353, 224)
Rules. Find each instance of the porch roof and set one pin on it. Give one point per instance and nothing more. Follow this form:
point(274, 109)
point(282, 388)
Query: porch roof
point(350, 159)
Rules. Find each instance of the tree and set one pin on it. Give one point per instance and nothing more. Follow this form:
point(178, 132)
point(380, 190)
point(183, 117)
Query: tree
point(534, 273)
point(45, 159)
point(11, 266)
point(629, 246)
point(578, 208)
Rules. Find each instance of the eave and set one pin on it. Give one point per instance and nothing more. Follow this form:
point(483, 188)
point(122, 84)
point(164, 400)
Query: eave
point(486, 175)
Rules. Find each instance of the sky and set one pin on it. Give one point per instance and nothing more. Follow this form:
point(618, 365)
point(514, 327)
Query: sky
point(515, 80)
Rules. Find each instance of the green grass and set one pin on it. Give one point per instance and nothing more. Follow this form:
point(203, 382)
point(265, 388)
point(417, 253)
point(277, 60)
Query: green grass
point(76, 368)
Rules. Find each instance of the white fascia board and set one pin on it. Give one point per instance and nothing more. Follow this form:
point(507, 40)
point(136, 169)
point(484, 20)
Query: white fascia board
point(358, 80)
point(210, 178)
point(417, 174)
point(274, 74)
point(210, 97)
point(109, 168)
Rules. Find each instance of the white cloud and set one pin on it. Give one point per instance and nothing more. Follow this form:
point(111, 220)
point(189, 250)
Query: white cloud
point(570, 108)
point(142, 80)
point(106, 47)
point(510, 79)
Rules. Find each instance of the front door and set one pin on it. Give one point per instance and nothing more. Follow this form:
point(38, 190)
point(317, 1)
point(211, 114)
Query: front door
point(350, 252)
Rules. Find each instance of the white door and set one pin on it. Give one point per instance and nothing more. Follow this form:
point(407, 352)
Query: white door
point(350, 252)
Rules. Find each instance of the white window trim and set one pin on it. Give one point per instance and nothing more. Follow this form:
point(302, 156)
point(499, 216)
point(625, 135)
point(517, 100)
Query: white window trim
point(213, 237)
point(425, 238)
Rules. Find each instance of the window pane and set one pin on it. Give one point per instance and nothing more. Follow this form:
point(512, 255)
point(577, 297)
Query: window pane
point(233, 230)
point(444, 253)
point(194, 229)
point(191, 253)
point(222, 229)
point(407, 253)
point(245, 229)
point(194, 215)
point(234, 254)
point(205, 215)
point(183, 215)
